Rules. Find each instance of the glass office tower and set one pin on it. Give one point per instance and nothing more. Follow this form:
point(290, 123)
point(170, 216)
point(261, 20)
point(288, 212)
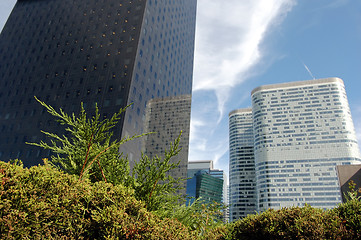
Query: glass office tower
point(112, 53)
point(242, 184)
point(302, 130)
point(205, 182)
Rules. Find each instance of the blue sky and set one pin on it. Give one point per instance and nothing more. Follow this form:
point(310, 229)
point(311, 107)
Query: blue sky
point(241, 45)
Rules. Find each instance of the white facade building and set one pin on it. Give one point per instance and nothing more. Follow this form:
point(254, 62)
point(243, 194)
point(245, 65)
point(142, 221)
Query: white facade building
point(301, 131)
point(242, 195)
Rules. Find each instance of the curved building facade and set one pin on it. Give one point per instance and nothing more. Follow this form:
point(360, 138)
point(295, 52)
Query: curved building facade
point(302, 130)
point(242, 192)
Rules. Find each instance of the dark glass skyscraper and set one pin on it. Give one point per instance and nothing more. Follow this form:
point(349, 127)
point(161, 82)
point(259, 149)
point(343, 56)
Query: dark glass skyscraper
point(112, 53)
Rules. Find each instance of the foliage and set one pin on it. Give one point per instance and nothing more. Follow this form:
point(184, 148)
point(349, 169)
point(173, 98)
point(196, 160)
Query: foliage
point(353, 193)
point(198, 216)
point(288, 223)
point(220, 232)
point(90, 150)
point(87, 150)
point(44, 203)
point(350, 216)
point(152, 183)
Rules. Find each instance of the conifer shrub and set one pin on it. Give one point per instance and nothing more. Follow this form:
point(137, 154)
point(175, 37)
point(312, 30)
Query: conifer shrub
point(45, 203)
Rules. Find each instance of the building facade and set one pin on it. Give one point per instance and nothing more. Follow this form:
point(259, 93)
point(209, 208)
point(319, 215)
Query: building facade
point(205, 187)
point(349, 175)
point(112, 53)
point(301, 132)
point(242, 178)
point(206, 182)
point(168, 119)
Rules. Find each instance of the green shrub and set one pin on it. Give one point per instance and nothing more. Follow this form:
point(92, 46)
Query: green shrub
point(87, 151)
point(44, 203)
point(288, 223)
point(350, 216)
point(220, 232)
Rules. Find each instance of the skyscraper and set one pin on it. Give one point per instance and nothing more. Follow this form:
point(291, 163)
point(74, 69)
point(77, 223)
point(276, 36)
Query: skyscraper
point(301, 131)
point(242, 176)
point(168, 118)
point(208, 183)
point(205, 182)
point(112, 53)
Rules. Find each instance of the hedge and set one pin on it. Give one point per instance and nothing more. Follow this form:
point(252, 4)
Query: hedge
point(44, 203)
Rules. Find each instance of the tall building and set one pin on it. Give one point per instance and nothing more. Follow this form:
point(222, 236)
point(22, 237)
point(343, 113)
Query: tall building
point(347, 175)
point(169, 118)
point(301, 131)
point(206, 182)
point(242, 178)
point(112, 53)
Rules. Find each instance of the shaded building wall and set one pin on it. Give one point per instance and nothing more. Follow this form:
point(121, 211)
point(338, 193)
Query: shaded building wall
point(163, 65)
point(209, 188)
point(106, 52)
point(346, 174)
point(194, 184)
point(167, 118)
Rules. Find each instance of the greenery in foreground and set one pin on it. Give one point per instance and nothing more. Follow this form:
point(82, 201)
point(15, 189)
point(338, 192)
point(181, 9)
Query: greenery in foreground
point(86, 191)
point(45, 203)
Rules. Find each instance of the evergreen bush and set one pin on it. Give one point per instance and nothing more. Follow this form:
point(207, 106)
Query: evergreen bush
point(44, 203)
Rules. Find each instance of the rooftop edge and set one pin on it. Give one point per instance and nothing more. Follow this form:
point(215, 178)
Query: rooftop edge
point(297, 83)
point(241, 110)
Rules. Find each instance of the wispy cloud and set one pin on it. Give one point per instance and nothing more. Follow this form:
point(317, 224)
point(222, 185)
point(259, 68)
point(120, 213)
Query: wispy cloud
point(337, 3)
point(228, 38)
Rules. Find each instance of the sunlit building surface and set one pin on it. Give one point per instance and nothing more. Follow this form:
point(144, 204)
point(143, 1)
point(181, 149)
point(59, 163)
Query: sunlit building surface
point(112, 53)
point(301, 132)
point(242, 184)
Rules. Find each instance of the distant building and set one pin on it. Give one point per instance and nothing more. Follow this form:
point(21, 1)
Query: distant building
point(346, 175)
point(112, 53)
point(301, 131)
point(205, 182)
point(242, 177)
point(167, 118)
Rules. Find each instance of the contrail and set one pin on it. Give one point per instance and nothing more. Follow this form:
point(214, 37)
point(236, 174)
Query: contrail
point(308, 70)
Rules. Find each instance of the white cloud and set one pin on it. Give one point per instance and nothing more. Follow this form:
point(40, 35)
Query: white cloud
point(228, 38)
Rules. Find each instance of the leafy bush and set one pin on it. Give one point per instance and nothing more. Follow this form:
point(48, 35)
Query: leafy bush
point(44, 203)
point(288, 223)
point(350, 216)
point(198, 216)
